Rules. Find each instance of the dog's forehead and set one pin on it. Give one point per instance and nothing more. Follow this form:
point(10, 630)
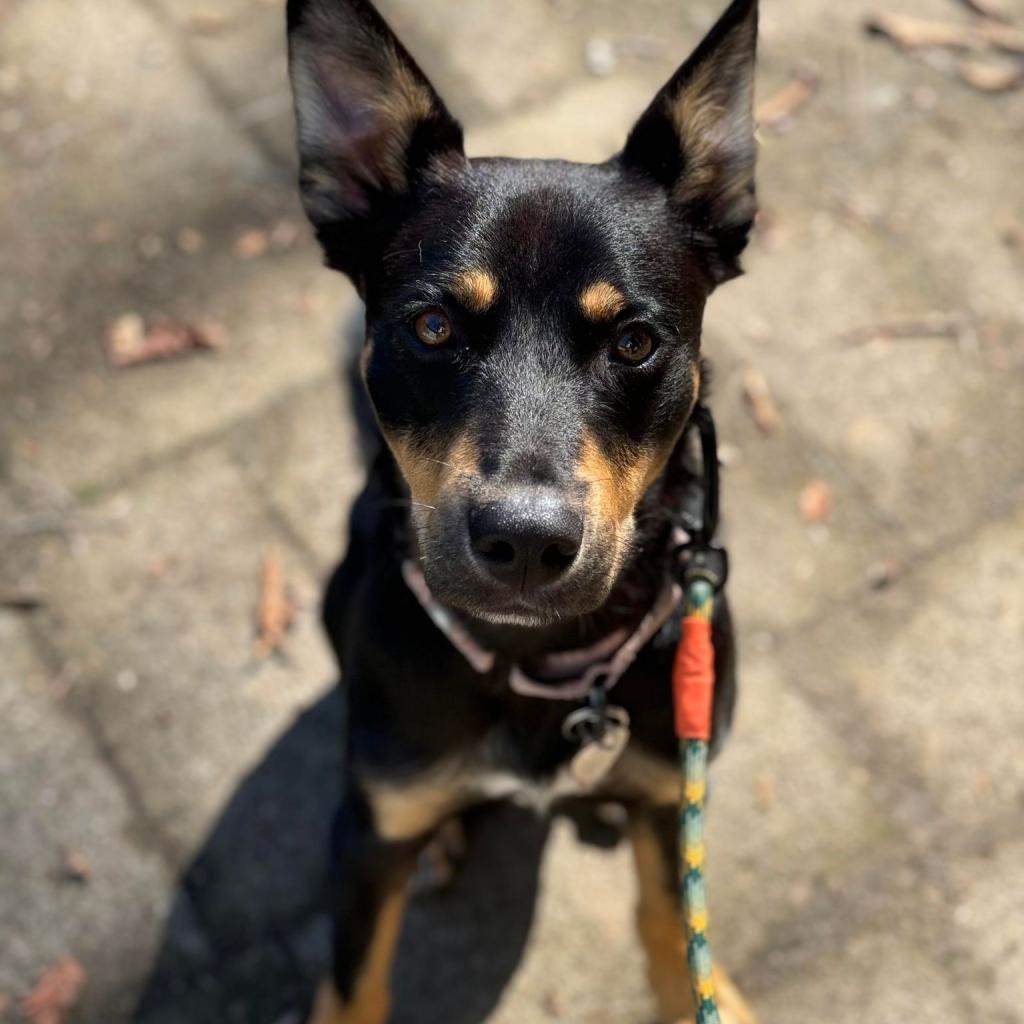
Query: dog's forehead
point(535, 232)
point(541, 225)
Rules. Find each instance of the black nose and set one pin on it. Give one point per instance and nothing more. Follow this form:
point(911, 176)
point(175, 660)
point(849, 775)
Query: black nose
point(528, 539)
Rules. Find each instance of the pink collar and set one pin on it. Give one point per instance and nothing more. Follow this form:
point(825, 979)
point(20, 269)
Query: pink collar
point(605, 661)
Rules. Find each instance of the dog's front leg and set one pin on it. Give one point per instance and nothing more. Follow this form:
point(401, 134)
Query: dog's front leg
point(379, 833)
point(653, 831)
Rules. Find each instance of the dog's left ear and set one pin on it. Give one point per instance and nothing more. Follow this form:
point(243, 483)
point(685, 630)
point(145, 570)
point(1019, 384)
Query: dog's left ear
point(369, 123)
point(696, 139)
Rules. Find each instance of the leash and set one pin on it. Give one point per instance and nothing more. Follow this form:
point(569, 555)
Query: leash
point(705, 567)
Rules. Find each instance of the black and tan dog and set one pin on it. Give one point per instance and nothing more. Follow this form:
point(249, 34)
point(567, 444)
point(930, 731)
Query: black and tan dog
point(532, 358)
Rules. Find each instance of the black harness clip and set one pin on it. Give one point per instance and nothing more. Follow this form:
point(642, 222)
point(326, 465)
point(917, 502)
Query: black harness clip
point(701, 557)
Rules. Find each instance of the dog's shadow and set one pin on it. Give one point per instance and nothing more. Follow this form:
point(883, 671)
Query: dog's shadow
point(247, 937)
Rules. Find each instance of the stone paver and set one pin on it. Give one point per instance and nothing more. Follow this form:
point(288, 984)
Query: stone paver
point(63, 804)
point(185, 718)
point(866, 831)
point(985, 926)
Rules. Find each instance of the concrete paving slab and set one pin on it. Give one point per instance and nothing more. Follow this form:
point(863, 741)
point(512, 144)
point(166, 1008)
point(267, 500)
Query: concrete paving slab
point(106, 174)
point(876, 978)
point(903, 224)
point(159, 619)
point(930, 667)
point(986, 925)
point(303, 458)
point(60, 799)
point(789, 812)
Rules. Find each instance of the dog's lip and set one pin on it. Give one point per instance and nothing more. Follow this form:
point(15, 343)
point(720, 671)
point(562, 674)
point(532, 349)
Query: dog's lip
point(540, 607)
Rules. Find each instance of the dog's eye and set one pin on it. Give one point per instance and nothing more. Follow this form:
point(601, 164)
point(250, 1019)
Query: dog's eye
point(632, 346)
point(433, 327)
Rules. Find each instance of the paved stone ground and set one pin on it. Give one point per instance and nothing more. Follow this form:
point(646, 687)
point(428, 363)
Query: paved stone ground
point(868, 835)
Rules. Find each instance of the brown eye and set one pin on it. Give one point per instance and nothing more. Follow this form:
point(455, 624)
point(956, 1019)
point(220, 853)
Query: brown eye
point(633, 346)
point(433, 328)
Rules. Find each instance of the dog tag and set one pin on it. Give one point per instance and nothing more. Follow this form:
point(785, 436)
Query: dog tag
point(603, 741)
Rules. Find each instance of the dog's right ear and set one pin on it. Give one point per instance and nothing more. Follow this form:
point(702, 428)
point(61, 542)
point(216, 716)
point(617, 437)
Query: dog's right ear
point(369, 123)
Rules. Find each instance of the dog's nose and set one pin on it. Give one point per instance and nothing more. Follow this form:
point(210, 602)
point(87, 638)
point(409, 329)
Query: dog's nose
point(528, 539)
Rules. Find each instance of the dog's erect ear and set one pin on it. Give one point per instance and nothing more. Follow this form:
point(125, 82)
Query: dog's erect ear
point(697, 139)
point(369, 122)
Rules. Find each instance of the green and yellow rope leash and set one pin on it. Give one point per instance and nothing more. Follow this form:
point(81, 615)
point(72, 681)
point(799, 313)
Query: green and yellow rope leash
point(705, 567)
point(693, 684)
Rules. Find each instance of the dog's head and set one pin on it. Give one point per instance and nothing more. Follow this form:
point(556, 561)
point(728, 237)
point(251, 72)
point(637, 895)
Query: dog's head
point(533, 327)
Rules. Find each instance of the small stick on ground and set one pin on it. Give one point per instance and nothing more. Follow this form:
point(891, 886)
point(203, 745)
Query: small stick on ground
point(761, 402)
point(911, 33)
point(276, 612)
point(931, 325)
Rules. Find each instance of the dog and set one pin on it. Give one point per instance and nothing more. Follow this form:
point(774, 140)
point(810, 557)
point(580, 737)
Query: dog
point(532, 358)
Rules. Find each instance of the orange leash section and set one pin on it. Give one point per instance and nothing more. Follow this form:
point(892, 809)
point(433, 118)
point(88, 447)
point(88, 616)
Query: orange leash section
point(693, 678)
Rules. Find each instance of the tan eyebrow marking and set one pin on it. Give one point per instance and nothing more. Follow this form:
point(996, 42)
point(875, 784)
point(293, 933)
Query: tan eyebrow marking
point(602, 301)
point(476, 289)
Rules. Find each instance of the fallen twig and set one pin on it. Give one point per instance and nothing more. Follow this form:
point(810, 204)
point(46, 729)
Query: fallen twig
point(910, 33)
point(276, 612)
point(931, 325)
point(760, 401)
point(55, 993)
point(129, 343)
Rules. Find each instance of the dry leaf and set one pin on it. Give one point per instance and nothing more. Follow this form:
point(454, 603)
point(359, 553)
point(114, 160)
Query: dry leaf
point(207, 23)
point(815, 501)
point(759, 400)
point(128, 342)
point(764, 792)
point(102, 232)
point(910, 32)
point(252, 244)
point(276, 612)
point(190, 241)
point(55, 993)
point(76, 866)
point(788, 101)
point(991, 76)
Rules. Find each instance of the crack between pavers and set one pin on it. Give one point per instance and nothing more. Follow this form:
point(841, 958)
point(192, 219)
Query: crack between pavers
point(221, 99)
point(849, 723)
point(131, 473)
point(831, 920)
point(146, 833)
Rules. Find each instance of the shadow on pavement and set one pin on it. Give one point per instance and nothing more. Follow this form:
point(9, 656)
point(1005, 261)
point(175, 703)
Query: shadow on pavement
point(247, 938)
